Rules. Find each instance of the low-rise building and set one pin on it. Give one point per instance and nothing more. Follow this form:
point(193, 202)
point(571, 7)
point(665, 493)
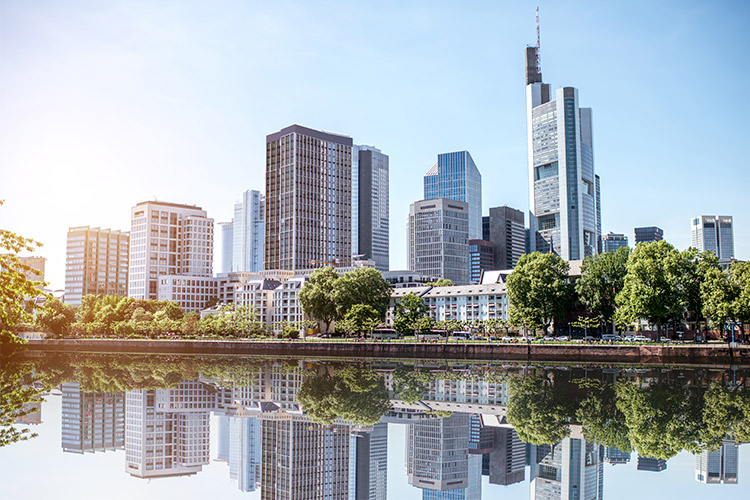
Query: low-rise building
point(459, 303)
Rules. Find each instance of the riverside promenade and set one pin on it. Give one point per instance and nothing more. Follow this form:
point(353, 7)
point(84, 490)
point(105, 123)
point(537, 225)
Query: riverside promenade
point(348, 349)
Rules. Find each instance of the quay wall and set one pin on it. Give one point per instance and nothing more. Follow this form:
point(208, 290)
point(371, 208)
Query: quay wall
point(637, 354)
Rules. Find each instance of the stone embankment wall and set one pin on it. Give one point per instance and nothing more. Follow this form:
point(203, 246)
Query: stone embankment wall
point(689, 353)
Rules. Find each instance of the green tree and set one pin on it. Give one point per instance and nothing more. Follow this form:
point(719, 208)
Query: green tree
point(440, 282)
point(17, 392)
point(538, 289)
point(317, 296)
point(361, 318)
point(55, 317)
point(602, 278)
point(726, 412)
point(15, 286)
point(353, 393)
point(601, 420)
point(586, 323)
point(364, 286)
point(408, 310)
point(536, 411)
point(410, 384)
point(719, 297)
point(650, 289)
point(662, 419)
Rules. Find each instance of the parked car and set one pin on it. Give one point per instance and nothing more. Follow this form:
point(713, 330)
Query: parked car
point(629, 338)
point(562, 337)
point(641, 338)
point(610, 337)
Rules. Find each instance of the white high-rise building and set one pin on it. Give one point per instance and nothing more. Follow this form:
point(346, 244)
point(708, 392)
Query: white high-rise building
point(167, 239)
point(437, 453)
point(227, 246)
point(569, 470)
point(565, 214)
point(714, 233)
point(721, 466)
point(248, 232)
point(370, 220)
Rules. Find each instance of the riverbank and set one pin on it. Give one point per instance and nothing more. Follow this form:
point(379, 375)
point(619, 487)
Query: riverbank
point(568, 352)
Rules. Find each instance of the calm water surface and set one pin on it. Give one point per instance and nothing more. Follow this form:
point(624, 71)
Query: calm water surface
point(240, 427)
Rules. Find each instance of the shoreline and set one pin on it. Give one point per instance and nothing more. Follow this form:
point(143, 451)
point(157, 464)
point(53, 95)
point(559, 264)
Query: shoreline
point(635, 354)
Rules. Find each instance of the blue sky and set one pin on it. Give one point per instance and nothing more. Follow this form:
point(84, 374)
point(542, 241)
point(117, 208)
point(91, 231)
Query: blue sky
point(106, 104)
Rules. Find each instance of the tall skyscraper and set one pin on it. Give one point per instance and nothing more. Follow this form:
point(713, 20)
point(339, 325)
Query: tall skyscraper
point(564, 213)
point(721, 466)
point(368, 464)
point(481, 258)
point(244, 452)
point(648, 234)
point(96, 263)
point(438, 239)
point(168, 239)
point(92, 421)
point(370, 223)
point(227, 246)
point(613, 241)
point(308, 198)
point(569, 470)
point(248, 232)
point(437, 453)
point(714, 233)
point(505, 228)
point(508, 458)
point(455, 176)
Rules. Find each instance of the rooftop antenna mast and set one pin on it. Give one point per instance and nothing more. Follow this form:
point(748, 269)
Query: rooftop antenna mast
point(538, 62)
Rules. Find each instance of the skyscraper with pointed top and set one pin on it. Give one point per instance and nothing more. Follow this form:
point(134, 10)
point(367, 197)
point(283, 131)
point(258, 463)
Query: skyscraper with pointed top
point(564, 215)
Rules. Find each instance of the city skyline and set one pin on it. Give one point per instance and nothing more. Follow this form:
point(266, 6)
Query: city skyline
point(183, 118)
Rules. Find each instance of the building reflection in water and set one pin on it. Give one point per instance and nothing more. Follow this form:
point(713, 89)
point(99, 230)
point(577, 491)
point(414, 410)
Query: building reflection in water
point(167, 430)
point(455, 434)
point(568, 470)
point(91, 421)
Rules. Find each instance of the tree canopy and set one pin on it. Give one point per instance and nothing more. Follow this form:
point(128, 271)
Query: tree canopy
point(408, 312)
point(538, 290)
point(602, 278)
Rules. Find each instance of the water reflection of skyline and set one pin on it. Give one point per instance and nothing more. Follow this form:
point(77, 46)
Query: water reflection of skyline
point(270, 444)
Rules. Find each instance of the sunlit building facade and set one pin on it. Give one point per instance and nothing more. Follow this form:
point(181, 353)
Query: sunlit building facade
point(455, 176)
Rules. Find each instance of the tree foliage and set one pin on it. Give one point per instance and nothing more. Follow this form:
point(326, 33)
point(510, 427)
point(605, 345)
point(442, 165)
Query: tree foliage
point(361, 318)
point(364, 286)
point(651, 288)
point(602, 278)
point(408, 312)
point(55, 317)
point(538, 290)
point(18, 392)
point(355, 394)
point(537, 411)
point(15, 286)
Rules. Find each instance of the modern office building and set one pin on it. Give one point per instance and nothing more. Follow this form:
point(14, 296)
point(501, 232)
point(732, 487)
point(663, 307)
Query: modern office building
point(564, 213)
point(370, 222)
point(167, 430)
point(308, 199)
point(613, 456)
point(438, 239)
point(455, 176)
point(368, 463)
point(190, 292)
point(714, 233)
point(507, 460)
point(168, 239)
point(718, 467)
point(96, 263)
point(303, 460)
point(37, 264)
point(437, 453)
point(248, 233)
point(227, 246)
point(92, 421)
point(571, 469)
point(648, 234)
point(481, 258)
point(651, 464)
point(244, 452)
point(613, 241)
point(505, 229)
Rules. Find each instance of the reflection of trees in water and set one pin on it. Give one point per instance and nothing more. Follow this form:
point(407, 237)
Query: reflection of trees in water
point(657, 412)
point(657, 415)
point(354, 393)
point(17, 390)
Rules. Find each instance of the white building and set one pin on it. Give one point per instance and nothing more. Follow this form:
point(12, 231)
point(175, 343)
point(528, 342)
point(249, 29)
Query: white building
point(248, 232)
point(714, 233)
point(167, 239)
point(569, 470)
point(718, 467)
point(227, 246)
point(565, 215)
point(190, 292)
point(460, 303)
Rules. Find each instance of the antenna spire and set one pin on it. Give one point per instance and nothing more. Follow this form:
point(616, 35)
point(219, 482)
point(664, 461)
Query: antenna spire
point(538, 62)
